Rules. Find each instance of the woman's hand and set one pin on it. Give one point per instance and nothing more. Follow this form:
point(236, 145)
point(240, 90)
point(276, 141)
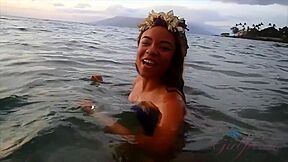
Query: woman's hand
point(91, 109)
point(87, 106)
point(97, 78)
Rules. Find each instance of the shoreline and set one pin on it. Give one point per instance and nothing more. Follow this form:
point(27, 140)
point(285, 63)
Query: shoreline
point(272, 39)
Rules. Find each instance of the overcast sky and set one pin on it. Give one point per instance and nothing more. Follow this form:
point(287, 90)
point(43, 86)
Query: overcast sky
point(220, 13)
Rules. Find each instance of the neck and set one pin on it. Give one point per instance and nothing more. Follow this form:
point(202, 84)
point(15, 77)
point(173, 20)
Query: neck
point(150, 84)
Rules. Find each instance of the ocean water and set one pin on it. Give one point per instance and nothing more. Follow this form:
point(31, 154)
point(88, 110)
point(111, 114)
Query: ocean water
point(236, 90)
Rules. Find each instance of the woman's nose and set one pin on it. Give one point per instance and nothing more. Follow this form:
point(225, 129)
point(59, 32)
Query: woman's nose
point(152, 50)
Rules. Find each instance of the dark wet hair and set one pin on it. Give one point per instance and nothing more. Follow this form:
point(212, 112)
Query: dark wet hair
point(148, 116)
point(173, 77)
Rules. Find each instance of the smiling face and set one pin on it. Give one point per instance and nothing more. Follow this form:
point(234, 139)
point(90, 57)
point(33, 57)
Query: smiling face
point(155, 52)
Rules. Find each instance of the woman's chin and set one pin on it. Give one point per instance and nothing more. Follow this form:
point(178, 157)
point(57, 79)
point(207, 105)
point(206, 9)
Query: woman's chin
point(146, 74)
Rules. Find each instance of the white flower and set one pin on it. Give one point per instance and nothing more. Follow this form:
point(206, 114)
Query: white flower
point(171, 21)
point(170, 27)
point(179, 28)
point(170, 13)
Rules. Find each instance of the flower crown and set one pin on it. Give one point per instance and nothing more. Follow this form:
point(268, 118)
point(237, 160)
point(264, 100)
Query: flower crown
point(173, 23)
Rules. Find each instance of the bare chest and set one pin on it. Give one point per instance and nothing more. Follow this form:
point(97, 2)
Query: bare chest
point(137, 95)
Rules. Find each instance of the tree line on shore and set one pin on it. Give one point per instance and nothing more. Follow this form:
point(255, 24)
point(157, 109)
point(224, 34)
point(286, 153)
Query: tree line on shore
point(243, 30)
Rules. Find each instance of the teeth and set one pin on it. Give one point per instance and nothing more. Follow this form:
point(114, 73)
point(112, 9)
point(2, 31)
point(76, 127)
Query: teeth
point(148, 61)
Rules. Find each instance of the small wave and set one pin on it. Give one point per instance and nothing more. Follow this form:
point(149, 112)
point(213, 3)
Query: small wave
point(204, 47)
point(282, 79)
point(282, 60)
point(220, 116)
point(284, 88)
point(224, 88)
point(64, 61)
point(255, 82)
point(121, 84)
point(91, 42)
point(13, 101)
point(132, 39)
point(22, 29)
point(108, 35)
point(45, 30)
point(108, 61)
point(285, 70)
point(198, 67)
point(249, 88)
point(235, 62)
point(281, 92)
point(195, 91)
point(280, 45)
point(21, 44)
point(277, 113)
point(230, 53)
point(4, 18)
point(244, 52)
point(237, 74)
point(217, 42)
point(74, 41)
point(93, 47)
point(8, 147)
point(17, 43)
point(218, 56)
point(56, 144)
point(249, 48)
point(35, 83)
point(18, 63)
point(63, 27)
point(204, 63)
point(257, 54)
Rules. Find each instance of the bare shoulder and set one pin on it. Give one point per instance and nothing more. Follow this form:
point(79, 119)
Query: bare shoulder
point(172, 109)
point(133, 92)
point(173, 98)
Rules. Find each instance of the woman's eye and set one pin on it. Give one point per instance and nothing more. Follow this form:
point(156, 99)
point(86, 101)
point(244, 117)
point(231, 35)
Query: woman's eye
point(145, 43)
point(166, 48)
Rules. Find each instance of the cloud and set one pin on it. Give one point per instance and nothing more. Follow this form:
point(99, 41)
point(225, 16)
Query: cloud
point(83, 5)
point(256, 2)
point(119, 10)
point(58, 5)
point(193, 15)
point(223, 18)
point(111, 11)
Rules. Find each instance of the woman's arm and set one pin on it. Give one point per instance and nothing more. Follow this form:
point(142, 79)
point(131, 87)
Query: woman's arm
point(169, 127)
point(110, 123)
point(165, 133)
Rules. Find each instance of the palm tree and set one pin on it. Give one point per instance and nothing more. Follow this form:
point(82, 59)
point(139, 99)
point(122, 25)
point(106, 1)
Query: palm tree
point(248, 28)
point(243, 26)
point(259, 25)
point(235, 30)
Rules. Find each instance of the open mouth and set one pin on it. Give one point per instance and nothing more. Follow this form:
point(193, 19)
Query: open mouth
point(148, 62)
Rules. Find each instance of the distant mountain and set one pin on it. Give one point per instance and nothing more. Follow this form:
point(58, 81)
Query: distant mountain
point(132, 22)
point(120, 21)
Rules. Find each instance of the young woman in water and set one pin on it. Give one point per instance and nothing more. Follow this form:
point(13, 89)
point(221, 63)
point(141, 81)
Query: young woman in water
point(158, 89)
